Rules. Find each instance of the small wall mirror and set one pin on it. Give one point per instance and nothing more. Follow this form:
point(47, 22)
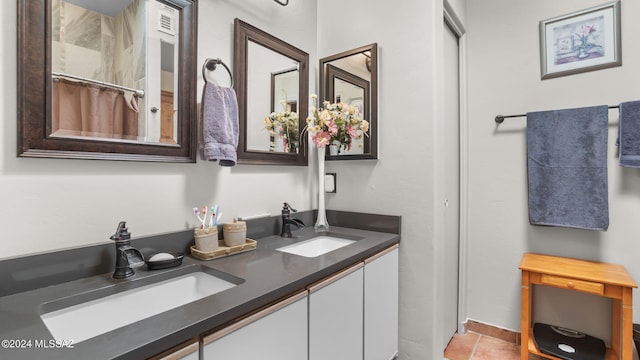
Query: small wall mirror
point(272, 84)
point(107, 79)
point(352, 77)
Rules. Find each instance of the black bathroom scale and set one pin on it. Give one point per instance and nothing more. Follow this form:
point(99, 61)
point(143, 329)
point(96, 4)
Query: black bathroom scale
point(567, 344)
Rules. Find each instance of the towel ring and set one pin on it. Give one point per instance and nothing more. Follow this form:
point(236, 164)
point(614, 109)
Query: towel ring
point(211, 64)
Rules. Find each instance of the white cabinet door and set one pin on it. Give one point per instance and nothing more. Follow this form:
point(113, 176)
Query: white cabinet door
point(276, 333)
point(381, 305)
point(335, 316)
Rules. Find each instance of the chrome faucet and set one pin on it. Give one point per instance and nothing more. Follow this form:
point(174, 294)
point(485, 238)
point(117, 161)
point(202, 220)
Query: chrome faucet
point(126, 255)
point(287, 221)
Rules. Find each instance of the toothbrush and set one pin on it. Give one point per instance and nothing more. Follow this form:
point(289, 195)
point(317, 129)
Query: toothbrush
point(213, 215)
point(202, 220)
point(218, 216)
point(204, 217)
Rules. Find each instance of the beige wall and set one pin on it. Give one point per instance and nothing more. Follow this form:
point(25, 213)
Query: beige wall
point(504, 78)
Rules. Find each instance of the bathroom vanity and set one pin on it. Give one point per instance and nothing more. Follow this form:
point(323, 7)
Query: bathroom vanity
point(278, 305)
point(331, 319)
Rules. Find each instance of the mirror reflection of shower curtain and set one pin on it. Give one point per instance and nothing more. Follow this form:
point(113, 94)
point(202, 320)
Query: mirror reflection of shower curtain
point(81, 109)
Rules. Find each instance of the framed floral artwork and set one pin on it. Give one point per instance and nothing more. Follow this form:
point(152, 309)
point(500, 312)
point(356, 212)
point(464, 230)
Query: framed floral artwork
point(582, 41)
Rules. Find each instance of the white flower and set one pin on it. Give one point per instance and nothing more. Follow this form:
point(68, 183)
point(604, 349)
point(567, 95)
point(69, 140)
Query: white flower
point(325, 116)
point(364, 126)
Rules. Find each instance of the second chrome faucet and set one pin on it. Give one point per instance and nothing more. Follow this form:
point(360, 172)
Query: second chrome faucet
point(287, 221)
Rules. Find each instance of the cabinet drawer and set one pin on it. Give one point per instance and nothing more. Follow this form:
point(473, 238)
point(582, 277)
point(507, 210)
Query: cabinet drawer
point(573, 284)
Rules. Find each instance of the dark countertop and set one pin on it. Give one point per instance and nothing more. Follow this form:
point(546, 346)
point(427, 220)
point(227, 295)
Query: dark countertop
point(268, 275)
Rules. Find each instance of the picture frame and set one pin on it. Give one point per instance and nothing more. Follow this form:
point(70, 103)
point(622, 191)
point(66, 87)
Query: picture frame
point(359, 103)
point(585, 40)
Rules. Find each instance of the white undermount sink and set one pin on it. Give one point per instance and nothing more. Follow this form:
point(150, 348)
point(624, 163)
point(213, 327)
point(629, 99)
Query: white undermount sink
point(316, 246)
point(95, 317)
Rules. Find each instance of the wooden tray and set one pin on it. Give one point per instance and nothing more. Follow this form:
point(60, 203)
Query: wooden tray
point(223, 250)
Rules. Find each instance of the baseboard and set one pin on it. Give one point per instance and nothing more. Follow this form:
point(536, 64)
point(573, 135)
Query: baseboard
point(493, 331)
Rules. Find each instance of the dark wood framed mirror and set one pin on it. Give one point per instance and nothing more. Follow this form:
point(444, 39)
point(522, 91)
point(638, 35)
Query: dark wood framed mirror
point(272, 85)
point(352, 77)
point(164, 110)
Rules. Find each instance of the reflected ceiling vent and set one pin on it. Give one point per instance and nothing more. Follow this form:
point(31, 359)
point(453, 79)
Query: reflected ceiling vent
point(167, 20)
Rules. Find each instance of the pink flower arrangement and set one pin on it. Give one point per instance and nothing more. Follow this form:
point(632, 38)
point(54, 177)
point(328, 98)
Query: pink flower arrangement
point(336, 122)
point(583, 34)
point(586, 30)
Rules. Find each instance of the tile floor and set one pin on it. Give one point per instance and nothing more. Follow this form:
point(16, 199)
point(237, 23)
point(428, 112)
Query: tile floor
point(475, 346)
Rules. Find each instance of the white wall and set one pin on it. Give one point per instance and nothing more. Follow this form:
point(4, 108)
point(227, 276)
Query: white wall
point(48, 204)
point(504, 78)
point(402, 180)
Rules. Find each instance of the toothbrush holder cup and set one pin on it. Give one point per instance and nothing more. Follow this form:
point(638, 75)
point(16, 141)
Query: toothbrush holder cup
point(206, 239)
point(234, 233)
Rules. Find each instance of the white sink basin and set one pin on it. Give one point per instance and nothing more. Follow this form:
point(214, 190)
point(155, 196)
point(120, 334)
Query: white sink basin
point(316, 246)
point(92, 318)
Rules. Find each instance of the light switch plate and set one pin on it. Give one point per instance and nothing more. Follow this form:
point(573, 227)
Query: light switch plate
point(330, 182)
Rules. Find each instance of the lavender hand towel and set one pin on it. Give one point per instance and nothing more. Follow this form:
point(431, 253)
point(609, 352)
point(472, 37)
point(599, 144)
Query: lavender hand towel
point(567, 168)
point(219, 124)
point(629, 134)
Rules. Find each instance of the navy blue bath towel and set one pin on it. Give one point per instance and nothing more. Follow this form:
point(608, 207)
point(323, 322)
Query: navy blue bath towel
point(567, 168)
point(629, 134)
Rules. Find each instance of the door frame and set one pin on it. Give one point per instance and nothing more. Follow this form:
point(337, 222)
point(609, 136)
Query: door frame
point(452, 20)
